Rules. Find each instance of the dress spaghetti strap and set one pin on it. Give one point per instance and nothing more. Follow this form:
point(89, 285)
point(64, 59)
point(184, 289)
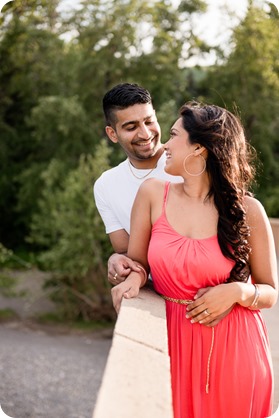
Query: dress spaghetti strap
point(166, 193)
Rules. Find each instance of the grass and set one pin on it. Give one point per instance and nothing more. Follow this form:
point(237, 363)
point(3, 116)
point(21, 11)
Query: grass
point(7, 314)
point(19, 259)
point(7, 285)
point(53, 318)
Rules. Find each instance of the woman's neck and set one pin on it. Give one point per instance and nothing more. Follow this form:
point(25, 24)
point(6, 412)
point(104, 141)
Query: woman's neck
point(197, 189)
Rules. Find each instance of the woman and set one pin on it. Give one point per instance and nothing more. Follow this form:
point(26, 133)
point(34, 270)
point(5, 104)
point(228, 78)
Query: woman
point(210, 249)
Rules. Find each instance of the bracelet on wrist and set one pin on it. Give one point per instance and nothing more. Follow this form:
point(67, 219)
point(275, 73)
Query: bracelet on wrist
point(145, 273)
point(256, 297)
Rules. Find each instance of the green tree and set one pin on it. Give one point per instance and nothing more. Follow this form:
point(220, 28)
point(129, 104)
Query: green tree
point(249, 81)
point(135, 41)
point(60, 130)
point(71, 235)
point(31, 56)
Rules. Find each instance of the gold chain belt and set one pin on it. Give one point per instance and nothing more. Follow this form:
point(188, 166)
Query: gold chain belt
point(187, 302)
point(181, 301)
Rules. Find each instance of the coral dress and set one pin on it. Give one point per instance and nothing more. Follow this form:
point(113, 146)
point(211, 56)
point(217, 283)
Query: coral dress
point(220, 372)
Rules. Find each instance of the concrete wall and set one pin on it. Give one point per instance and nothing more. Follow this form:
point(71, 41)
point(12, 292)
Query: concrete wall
point(136, 381)
point(275, 229)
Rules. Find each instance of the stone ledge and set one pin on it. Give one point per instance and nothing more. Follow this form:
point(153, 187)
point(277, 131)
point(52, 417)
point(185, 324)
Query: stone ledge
point(274, 222)
point(136, 381)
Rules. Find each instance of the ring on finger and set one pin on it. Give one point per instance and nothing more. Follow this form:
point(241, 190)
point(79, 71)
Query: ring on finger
point(206, 312)
point(115, 276)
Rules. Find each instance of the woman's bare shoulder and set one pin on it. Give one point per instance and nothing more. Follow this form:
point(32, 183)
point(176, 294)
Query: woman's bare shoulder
point(255, 211)
point(253, 204)
point(151, 185)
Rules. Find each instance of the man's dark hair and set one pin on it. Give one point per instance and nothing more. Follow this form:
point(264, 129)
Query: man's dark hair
point(122, 96)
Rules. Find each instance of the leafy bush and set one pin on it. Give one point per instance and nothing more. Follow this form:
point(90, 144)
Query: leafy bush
point(72, 237)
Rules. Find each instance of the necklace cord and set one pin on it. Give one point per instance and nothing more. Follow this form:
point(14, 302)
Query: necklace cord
point(137, 177)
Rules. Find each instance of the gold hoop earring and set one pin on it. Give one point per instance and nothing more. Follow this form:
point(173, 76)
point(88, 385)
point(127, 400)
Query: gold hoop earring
point(194, 174)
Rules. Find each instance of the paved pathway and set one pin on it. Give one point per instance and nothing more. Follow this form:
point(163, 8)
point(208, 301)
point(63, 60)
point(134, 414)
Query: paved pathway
point(47, 374)
point(45, 371)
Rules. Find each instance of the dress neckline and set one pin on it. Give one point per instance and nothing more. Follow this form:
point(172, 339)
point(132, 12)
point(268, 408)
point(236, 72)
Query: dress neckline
point(163, 215)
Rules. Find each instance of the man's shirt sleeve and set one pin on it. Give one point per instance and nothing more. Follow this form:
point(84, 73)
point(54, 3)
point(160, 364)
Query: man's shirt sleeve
point(105, 207)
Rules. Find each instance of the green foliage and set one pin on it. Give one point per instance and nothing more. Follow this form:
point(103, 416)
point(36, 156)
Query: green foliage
point(166, 116)
point(32, 66)
point(136, 41)
point(70, 231)
point(7, 285)
point(271, 202)
point(9, 259)
point(7, 314)
point(249, 81)
point(192, 6)
point(5, 254)
point(61, 128)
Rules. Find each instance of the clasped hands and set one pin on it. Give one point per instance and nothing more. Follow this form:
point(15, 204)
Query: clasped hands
point(209, 307)
point(120, 274)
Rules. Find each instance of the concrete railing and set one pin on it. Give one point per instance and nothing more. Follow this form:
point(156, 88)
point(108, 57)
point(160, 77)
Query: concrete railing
point(274, 222)
point(136, 381)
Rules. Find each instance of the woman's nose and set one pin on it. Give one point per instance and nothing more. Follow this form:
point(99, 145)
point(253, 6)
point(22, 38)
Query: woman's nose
point(165, 145)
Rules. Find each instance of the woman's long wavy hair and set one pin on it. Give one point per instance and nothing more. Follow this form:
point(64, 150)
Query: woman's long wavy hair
point(231, 174)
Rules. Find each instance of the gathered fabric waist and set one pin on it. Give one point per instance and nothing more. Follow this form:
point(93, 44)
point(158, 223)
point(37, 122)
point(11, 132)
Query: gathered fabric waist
point(187, 302)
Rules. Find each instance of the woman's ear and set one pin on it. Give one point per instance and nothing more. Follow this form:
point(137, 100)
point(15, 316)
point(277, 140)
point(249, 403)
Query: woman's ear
point(111, 134)
point(199, 149)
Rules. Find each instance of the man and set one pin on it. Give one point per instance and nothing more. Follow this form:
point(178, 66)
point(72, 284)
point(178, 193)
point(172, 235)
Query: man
point(131, 121)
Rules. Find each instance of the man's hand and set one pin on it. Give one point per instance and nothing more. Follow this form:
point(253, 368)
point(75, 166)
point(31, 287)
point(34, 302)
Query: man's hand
point(119, 267)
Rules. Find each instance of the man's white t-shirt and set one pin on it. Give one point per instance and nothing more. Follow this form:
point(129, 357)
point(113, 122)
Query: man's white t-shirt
point(115, 191)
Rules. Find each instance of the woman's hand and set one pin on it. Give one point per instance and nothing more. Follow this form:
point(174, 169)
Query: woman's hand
point(212, 304)
point(127, 289)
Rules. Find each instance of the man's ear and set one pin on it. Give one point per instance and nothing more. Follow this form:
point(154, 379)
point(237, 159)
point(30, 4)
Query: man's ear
point(111, 134)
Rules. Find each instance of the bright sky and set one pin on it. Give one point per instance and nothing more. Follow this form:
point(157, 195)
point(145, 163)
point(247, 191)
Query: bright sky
point(216, 24)
point(218, 20)
point(218, 17)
